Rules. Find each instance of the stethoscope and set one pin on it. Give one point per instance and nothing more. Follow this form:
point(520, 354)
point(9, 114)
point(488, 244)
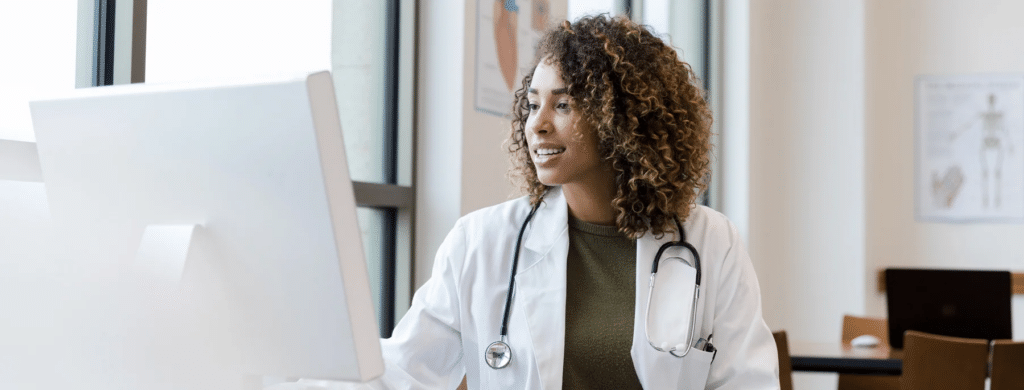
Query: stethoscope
point(498, 354)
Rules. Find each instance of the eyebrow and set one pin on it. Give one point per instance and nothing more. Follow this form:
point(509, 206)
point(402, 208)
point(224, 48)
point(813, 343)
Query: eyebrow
point(559, 91)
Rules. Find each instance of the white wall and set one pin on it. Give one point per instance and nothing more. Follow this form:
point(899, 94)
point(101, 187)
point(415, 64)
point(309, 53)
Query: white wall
point(461, 165)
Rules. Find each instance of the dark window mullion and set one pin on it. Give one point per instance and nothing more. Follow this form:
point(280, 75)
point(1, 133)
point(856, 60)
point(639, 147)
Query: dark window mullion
point(391, 84)
point(103, 43)
point(706, 38)
point(706, 71)
point(390, 228)
point(140, 9)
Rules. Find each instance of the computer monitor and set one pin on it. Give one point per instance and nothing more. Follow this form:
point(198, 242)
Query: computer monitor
point(206, 239)
point(961, 303)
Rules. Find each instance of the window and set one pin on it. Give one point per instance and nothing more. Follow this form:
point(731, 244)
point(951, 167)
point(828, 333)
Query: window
point(38, 41)
point(368, 46)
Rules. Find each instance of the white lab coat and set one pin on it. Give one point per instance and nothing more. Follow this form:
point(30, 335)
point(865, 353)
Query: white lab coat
point(458, 312)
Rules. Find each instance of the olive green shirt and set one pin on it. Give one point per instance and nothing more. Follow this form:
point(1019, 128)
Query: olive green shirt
point(599, 308)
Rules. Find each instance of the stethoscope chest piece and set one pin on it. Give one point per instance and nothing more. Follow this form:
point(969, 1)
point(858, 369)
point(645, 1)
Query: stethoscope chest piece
point(498, 355)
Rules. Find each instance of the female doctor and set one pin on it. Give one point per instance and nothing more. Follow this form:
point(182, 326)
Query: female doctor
point(610, 137)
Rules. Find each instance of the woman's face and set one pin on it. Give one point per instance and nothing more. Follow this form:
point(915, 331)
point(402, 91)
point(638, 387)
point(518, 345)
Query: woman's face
point(564, 148)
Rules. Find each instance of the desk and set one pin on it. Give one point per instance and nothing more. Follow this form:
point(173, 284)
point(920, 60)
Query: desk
point(843, 359)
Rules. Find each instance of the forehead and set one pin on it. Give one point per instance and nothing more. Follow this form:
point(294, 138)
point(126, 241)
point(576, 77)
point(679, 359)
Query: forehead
point(546, 76)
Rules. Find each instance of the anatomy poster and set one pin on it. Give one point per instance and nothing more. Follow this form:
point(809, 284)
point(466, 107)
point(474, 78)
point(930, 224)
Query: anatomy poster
point(507, 32)
point(970, 148)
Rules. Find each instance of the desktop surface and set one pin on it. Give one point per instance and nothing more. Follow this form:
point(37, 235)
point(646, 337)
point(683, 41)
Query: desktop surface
point(845, 359)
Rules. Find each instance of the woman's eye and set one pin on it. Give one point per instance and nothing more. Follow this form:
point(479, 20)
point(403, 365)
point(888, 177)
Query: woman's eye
point(563, 106)
point(532, 106)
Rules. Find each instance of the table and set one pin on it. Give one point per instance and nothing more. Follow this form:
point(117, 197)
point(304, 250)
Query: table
point(844, 359)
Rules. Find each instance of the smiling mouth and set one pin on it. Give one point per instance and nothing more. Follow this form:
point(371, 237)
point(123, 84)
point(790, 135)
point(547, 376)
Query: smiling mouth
point(545, 152)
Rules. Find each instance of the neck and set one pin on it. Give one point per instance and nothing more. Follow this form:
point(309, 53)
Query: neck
point(591, 203)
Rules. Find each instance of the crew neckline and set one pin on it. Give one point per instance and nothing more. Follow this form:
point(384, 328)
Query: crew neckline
point(593, 228)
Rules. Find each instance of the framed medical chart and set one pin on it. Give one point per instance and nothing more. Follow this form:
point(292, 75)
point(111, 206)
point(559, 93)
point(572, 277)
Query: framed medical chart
point(969, 148)
point(507, 33)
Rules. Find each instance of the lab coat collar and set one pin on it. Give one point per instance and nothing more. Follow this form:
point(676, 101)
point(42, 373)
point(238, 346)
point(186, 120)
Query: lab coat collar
point(551, 220)
point(540, 286)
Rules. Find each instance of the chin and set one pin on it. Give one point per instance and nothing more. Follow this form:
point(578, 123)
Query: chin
point(549, 180)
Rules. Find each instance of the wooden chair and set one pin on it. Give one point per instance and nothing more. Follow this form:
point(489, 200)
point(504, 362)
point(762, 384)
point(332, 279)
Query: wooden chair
point(933, 362)
point(1007, 365)
point(854, 326)
point(858, 326)
point(785, 364)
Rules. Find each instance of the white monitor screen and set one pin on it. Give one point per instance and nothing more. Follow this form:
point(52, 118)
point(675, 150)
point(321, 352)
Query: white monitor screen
point(207, 237)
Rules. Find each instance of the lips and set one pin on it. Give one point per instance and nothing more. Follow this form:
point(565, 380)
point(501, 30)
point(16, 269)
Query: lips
point(545, 153)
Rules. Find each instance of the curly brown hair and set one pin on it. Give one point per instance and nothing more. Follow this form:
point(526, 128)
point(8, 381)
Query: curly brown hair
point(647, 108)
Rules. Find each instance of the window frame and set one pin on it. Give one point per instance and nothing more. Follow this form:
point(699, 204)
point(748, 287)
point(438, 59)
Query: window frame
point(112, 50)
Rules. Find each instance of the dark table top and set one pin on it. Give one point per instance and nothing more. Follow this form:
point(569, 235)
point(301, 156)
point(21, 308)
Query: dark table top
point(845, 359)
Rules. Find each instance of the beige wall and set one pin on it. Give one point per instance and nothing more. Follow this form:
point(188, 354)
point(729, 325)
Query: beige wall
point(806, 176)
point(924, 37)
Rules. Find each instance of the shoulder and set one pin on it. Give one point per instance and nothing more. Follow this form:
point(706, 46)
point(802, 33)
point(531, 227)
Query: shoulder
point(716, 239)
point(509, 210)
point(495, 220)
point(710, 223)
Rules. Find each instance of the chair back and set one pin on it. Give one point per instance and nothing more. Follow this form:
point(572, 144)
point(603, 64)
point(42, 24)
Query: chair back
point(934, 362)
point(785, 364)
point(853, 327)
point(1007, 365)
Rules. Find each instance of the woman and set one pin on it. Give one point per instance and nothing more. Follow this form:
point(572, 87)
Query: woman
point(611, 140)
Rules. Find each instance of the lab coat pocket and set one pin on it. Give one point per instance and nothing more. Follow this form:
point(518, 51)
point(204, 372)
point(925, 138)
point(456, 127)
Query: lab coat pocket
point(696, 366)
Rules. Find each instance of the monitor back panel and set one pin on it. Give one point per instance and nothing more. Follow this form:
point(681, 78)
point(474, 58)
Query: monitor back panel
point(961, 303)
point(275, 280)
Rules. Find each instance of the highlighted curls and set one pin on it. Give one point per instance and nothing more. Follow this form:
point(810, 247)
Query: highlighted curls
point(647, 109)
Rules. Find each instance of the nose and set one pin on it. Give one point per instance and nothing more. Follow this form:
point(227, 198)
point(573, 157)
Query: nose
point(539, 121)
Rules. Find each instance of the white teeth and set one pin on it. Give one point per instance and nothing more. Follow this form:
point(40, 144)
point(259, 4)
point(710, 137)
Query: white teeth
point(548, 152)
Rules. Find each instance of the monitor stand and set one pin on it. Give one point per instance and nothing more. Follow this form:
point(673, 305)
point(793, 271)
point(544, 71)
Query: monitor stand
point(164, 250)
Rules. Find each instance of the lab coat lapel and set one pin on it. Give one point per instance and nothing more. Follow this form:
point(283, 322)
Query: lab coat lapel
point(540, 287)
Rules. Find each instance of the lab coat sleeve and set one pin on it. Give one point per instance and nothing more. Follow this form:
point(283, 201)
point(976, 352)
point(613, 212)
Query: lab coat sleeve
point(425, 349)
point(746, 357)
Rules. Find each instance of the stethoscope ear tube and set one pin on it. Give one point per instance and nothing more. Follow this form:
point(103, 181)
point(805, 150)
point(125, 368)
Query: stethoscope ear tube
point(682, 242)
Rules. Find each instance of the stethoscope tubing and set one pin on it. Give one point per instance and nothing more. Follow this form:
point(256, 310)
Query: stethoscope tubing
point(512, 279)
point(696, 293)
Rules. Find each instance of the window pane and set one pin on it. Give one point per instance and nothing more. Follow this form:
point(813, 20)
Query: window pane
point(580, 8)
point(372, 224)
point(190, 40)
point(359, 58)
point(37, 39)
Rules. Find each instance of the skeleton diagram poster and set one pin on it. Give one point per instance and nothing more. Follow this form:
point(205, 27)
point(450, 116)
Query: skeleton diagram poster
point(970, 148)
point(507, 32)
